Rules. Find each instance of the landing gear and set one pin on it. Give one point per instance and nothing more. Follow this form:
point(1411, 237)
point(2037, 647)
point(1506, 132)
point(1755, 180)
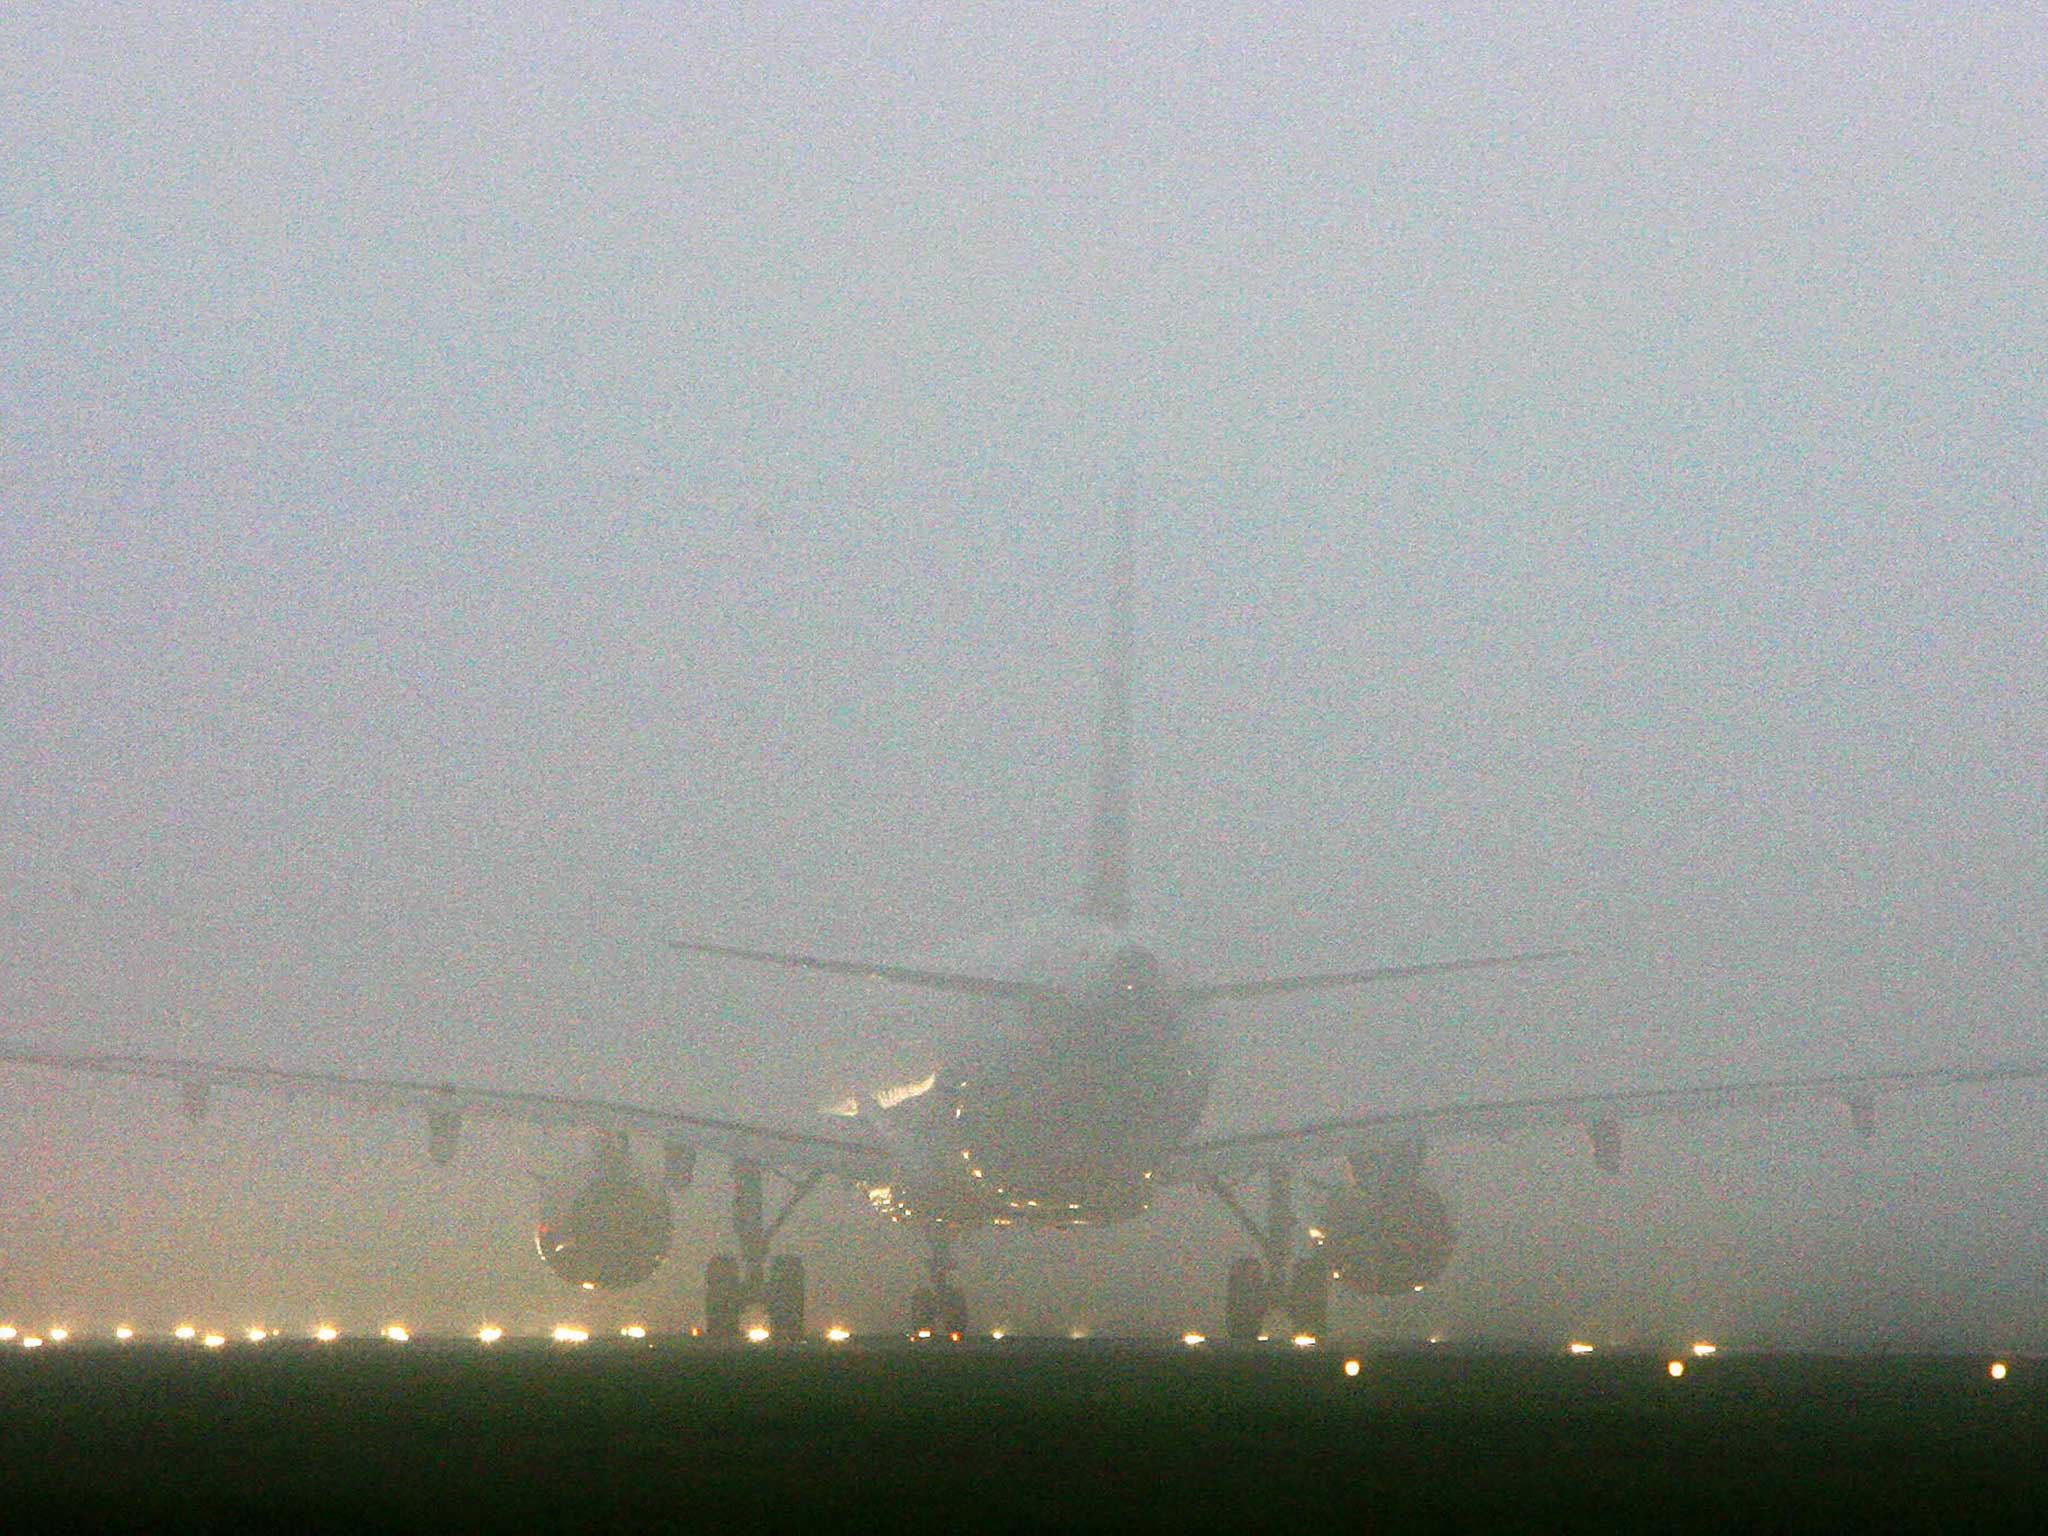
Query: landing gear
point(938, 1308)
point(1275, 1280)
point(785, 1297)
point(725, 1298)
point(1245, 1301)
point(1308, 1296)
point(776, 1286)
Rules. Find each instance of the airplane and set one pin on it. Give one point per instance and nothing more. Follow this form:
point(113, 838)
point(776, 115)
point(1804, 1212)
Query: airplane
point(1077, 1102)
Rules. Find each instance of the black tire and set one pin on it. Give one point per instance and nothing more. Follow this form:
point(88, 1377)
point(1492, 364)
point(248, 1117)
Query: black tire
point(949, 1311)
point(1308, 1298)
point(785, 1299)
point(1245, 1301)
point(724, 1299)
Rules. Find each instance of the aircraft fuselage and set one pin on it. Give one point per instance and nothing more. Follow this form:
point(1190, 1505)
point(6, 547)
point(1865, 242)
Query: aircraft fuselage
point(1065, 1110)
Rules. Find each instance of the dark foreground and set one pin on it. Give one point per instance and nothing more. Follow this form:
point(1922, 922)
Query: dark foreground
point(372, 1437)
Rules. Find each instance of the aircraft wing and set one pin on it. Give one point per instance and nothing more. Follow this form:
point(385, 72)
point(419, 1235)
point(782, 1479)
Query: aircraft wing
point(1324, 981)
point(449, 1103)
point(1599, 1115)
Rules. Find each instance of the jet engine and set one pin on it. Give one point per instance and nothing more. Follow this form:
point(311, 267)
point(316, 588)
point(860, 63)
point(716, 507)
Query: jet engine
point(607, 1233)
point(1385, 1238)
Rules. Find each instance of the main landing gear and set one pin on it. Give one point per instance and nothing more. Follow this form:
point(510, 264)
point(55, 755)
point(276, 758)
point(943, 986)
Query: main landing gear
point(754, 1279)
point(1275, 1280)
point(938, 1308)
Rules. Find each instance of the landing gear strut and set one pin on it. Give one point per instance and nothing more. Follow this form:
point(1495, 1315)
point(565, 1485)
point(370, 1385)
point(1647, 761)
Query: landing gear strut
point(938, 1308)
point(775, 1285)
point(1275, 1280)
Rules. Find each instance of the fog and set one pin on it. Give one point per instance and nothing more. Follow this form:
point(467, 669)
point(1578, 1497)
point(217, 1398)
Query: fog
point(486, 490)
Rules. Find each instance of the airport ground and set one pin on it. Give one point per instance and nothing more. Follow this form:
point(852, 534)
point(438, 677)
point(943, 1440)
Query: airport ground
point(664, 1435)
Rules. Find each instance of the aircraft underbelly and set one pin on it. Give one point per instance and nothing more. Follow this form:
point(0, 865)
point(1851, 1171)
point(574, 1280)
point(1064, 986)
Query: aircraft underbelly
point(1076, 1140)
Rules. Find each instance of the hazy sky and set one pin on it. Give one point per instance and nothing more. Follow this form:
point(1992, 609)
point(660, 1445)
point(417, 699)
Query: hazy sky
point(480, 490)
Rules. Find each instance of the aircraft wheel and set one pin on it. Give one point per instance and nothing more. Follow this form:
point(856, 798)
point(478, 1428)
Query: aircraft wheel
point(949, 1310)
point(1245, 1301)
point(923, 1311)
point(724, 1299)
point(785, 1299)
point(1308, 1298)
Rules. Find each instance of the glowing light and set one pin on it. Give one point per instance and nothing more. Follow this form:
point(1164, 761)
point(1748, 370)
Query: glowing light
point(185, 1333)
point(59, 1335)
point(214, 1340)
point(490, 1333)
point(257, 1335)
point(8, 1333)
point(1304, 1341)
point(1675, 1369)
point(1436, 1338)
point(889, 1098)
point(954, 1336)
point(30, 1341)
point(1578, 1347)
point(590, 1285)
point(924, 1333)
point(1194, 1340)
point(1702, 1349)
point(759, 1335)
point(1998, 1370)
point(838, 1334)
point(397, 1333)
point(1315, 1234)
point(124, 1333)
point(326, 1333)
point(1077, 1334)
point(998, 1334)
point(568, 1335)
point(1350, 1367)
point(632, 1331)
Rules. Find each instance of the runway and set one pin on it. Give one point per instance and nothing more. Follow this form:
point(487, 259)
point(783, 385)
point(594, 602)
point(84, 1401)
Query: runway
point(661, 1433)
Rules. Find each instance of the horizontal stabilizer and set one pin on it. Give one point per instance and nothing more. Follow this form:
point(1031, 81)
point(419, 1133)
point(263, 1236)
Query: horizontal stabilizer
point(903, 975)
point(1324, 981)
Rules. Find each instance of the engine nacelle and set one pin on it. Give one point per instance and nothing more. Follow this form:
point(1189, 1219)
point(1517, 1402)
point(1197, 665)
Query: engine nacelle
point(607, 1233)
point(1386, 1239)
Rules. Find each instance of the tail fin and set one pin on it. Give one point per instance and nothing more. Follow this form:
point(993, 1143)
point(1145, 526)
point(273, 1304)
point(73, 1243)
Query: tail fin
point(1107, 899)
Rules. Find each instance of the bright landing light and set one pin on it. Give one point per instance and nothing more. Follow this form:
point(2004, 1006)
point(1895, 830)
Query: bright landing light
point(567, 1335)
point(185, 1333)
point(757, 1335)
point(632, 1331)
point(59, 1335)
point(1304, 1341)
point(30, 1341)
point(1578, 1347)
point(124, 1333)
point(214, 1340)
point(398, 1334)
point(1350, 1367)
point(1998, 1370)
point(8, 1333)
point(490, 1333)
point(257, 1335)
point(837, 1334)
point(1194, 1340)
point(326, 1333)
point(1675, 1369)
point(1702, 1349)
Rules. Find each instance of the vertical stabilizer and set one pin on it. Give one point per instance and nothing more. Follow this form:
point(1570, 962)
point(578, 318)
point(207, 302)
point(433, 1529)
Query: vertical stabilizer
point(1108, 896)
